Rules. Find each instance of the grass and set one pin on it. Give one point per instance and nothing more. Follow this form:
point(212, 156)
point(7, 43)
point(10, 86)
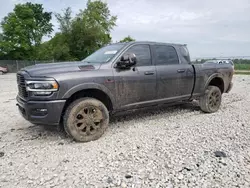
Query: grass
point(242, 72)
point(242, 67)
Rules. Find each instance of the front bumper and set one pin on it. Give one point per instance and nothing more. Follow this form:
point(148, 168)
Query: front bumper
point(41, 112)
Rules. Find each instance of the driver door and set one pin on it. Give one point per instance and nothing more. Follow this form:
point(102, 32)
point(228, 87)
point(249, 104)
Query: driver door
point(136, 86)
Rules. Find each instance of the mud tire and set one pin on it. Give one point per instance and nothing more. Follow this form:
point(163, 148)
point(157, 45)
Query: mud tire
point(210, 102)
point(83, 116)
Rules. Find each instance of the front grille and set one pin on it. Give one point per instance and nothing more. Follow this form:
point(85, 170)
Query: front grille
point(20, 79)
point(21, 86)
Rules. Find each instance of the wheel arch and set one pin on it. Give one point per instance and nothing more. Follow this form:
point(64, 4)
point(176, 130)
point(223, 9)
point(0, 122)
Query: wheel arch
point(96, 91)
point(215, 80)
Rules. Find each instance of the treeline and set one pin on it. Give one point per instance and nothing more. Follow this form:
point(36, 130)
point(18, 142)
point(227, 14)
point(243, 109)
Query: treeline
point(241, 61)
point(25, 27)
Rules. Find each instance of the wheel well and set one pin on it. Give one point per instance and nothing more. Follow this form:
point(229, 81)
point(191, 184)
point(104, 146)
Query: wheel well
point(94, 93)
point(217, 82)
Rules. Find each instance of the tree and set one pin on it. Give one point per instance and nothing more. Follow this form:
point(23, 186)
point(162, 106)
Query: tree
point(1, 52)
point(127, 39)
point(57, 49)
point(23, 30)
point(79, 36)
point(65, 20)
point(91, 29)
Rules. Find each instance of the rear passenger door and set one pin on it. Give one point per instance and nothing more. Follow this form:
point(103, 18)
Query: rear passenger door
point(173, 78)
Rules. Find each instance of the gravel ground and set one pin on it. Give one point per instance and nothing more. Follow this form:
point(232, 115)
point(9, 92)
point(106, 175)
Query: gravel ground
point(171, 147)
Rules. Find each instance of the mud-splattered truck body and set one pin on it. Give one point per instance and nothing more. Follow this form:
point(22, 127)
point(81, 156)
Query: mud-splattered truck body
point(116, 78)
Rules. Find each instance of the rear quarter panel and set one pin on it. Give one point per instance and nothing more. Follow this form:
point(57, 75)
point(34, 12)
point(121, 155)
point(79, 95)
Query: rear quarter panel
point(206, 72)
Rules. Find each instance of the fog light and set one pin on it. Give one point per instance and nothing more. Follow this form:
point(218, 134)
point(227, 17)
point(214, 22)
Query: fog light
point(39, 112)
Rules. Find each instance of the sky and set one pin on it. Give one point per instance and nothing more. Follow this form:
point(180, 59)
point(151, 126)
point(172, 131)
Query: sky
point(210, 28)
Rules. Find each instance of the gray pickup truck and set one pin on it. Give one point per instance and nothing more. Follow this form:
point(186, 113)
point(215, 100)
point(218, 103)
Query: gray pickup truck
point(118, 77)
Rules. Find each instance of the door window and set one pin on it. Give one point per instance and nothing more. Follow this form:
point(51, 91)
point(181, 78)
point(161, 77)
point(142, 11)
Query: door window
point(143, 55)
point(165, 55)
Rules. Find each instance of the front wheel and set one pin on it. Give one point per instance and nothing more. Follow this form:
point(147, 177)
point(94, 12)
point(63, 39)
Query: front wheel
point(86, 119)
point(210, 102)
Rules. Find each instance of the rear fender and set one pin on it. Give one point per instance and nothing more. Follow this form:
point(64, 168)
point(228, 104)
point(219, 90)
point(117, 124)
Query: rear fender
point(215, 75)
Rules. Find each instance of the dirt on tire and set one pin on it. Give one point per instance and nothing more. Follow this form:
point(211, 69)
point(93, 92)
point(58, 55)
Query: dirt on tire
point(79, 122)
point(210, 102)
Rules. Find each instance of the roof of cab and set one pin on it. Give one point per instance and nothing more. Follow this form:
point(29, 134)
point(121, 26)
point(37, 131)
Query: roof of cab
point(152, 42)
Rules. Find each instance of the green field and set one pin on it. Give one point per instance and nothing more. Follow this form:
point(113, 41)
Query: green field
point(242, 67)
point(242, 72)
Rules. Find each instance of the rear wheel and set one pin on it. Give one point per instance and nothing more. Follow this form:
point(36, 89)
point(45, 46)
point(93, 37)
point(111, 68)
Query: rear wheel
point(1, 72)
point(86, 119)
point(210, 102)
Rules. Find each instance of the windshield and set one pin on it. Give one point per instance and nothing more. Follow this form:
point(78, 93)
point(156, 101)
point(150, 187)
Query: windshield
point(104, 54)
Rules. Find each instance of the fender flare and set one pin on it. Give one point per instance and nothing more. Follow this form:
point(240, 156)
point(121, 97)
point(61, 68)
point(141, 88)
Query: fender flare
point(215, 75)
point(86, 86)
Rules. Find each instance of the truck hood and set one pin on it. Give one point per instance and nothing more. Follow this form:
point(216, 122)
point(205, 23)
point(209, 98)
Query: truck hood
point(47, 69)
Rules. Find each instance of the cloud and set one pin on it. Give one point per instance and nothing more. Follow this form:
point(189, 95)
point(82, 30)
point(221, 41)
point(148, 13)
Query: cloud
point(209, 28)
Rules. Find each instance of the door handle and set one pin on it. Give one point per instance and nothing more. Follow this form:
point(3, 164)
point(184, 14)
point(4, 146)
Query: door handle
point(149, 72)
point(181, 70)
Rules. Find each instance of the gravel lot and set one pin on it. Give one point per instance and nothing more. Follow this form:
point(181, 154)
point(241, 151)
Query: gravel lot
point(171, 147)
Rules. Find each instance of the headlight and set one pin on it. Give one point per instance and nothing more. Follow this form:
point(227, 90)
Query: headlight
point(42, 87)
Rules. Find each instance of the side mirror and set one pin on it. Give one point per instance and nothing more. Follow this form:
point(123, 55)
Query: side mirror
point(127, 61)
